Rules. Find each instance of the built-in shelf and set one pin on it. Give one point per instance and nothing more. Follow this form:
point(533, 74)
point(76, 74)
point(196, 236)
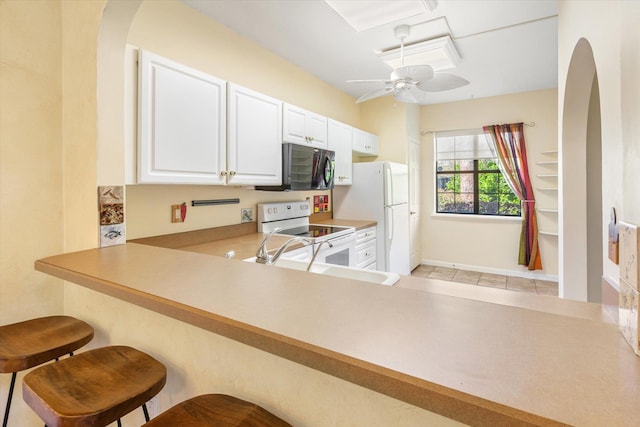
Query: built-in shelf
point(548, 169)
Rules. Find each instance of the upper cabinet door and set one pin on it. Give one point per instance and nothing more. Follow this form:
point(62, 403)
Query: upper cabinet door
point(317, 130)
point(339, 138)
point(181, 123)
point(304, 127)
point(255, 131)
point(365, 143)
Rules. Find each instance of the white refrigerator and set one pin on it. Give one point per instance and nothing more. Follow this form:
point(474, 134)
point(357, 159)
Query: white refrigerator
point(380, 191)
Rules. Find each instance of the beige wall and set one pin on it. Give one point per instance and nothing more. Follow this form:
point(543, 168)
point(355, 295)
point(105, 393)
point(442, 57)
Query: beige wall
point(490, 244)
point(47, 153)
point(386, 118)
point(31, 155)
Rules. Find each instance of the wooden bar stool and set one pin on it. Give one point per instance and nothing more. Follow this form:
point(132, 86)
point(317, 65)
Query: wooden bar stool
point(94, 388)
point(217, 410)
point(24, 345)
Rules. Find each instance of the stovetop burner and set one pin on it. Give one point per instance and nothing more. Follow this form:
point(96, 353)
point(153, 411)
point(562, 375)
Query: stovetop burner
point(316, 231)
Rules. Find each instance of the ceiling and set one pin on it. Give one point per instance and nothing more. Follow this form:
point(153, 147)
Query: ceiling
point(506, 46)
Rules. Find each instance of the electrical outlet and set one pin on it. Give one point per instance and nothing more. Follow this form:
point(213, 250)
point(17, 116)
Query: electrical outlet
point(176, 215)
point(153, 406)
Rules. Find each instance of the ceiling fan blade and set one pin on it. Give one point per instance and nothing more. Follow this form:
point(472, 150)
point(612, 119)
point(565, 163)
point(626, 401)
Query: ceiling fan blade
point(410, 95)
point(418, 73)
point(374, 94)
point(443, 81)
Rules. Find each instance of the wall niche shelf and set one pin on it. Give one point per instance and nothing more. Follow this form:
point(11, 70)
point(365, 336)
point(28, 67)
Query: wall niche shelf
point(548, 174)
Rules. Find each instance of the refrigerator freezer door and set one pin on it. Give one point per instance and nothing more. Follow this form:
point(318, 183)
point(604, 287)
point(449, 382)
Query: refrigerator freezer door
point(397, 239)
point(396, 182)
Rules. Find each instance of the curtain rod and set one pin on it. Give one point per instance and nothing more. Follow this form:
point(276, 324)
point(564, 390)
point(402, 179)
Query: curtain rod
point(424, 132)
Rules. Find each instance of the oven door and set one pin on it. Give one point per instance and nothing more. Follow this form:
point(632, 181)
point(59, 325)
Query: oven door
point(343, 251)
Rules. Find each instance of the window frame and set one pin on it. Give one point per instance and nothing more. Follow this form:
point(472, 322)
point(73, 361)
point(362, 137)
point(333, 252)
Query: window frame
point(475, 172)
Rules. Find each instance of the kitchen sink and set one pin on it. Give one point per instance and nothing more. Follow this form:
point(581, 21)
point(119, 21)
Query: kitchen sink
point(379, 277)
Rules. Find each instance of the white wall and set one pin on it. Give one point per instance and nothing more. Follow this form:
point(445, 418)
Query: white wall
point(611, 30)
point(490, 244)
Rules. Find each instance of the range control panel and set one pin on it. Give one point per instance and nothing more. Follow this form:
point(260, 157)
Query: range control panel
point(278, 211)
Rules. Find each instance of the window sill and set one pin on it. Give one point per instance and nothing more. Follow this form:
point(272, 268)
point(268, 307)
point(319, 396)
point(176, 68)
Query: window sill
point(472, 217)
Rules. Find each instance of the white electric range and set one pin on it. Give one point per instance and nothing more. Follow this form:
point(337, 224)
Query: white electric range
point(292, 219)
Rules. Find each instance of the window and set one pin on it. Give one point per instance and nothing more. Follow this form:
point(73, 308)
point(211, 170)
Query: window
point(468, 180)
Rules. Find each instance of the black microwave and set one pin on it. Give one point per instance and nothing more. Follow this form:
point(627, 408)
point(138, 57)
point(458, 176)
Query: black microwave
point(305, 168)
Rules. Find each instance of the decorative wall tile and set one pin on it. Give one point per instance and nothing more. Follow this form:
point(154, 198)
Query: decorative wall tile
point(111, 235)
point(628, 320)
point(111, 210)
point(629, 247)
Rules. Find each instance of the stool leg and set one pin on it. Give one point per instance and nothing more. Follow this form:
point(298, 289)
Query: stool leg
point(6, 411)
point(146, 412)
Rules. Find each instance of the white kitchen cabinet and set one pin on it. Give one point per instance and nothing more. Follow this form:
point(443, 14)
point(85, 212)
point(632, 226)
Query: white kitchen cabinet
point(339, 140)
point(254, 138)
point(366, 248)
point(365, 143)
point(304, 127)
point(181, 123)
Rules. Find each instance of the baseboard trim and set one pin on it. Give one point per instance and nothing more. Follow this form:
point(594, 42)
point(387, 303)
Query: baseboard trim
point(482, 269)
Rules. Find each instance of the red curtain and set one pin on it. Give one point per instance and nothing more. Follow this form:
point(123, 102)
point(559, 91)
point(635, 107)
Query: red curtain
point(508, 142)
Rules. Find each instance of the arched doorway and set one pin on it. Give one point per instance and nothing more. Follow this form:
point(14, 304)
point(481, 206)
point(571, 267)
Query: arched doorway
point(580, 182)
point(112, 39)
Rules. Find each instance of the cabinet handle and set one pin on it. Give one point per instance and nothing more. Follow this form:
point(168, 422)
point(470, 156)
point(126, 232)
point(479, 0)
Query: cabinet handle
point(223, 173)
point(233, 173)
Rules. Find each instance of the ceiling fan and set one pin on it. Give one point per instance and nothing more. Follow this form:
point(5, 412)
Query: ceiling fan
point(408, 83)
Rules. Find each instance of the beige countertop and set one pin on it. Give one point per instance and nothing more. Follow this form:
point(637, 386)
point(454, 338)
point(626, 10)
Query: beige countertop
point(481, 360)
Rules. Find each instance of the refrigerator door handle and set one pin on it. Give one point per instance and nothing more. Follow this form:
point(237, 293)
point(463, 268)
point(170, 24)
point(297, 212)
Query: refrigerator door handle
point(389, 212)
point(389, 196)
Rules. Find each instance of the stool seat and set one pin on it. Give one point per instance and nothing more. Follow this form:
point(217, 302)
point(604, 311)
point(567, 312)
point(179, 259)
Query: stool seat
point(217, 410)
point(93, 388)
point(33, 342)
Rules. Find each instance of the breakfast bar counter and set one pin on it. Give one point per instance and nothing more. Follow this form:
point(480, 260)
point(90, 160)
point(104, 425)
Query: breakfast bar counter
point(480, 360)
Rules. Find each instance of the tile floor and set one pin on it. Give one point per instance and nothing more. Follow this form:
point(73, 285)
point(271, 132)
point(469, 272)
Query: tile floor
point(520, 284)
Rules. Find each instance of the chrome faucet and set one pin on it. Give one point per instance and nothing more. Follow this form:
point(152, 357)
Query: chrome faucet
point(315, 253)
point(262, 255)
